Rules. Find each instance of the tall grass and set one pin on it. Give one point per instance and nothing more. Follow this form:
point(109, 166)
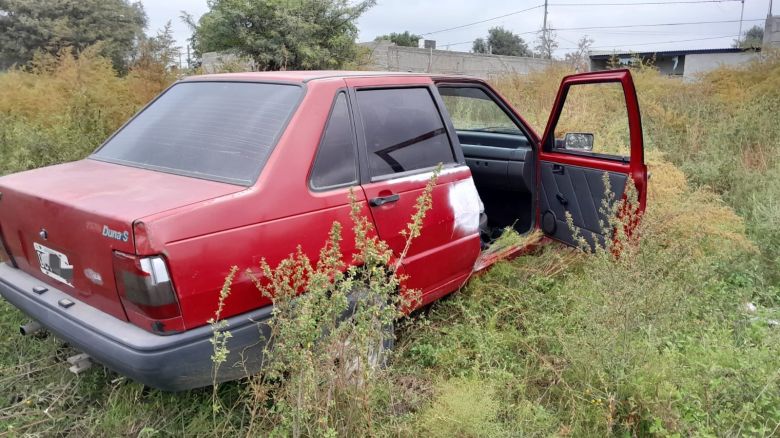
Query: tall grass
point(655, 341)
point(557, 343)
point(721, 130)
point(62, 107)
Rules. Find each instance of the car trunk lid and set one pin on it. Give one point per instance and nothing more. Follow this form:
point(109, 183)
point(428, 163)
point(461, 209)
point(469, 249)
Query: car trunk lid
point(62, 223)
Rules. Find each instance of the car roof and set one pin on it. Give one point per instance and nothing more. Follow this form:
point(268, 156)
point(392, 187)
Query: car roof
point(303, 76)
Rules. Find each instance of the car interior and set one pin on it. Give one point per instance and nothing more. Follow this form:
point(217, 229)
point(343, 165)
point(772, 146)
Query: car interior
point(499, 154)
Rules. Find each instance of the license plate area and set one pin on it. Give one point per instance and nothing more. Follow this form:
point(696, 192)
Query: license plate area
point(54, 264)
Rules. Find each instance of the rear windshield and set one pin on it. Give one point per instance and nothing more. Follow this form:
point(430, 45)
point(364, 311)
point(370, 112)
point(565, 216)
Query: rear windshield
point(222, 131)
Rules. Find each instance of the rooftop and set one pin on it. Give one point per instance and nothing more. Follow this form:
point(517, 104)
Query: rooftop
point(302, 76)
point(607, 55)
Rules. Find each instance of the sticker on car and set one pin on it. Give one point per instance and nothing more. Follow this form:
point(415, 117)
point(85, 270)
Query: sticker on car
point(54, 264)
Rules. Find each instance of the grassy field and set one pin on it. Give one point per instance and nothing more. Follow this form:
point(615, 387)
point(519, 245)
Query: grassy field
point(555, 343)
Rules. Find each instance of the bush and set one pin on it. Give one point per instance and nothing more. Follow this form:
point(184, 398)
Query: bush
point(63, 107)
point(331, 332)
point(722, 131)
point(654, 341)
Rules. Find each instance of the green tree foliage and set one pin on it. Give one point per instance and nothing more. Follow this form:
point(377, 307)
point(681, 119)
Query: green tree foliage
point(159, 50)
point(480, 46)
point(751, 39)
point(282, 34)
point(405, 39)
point(501, 41)
point(28, 26)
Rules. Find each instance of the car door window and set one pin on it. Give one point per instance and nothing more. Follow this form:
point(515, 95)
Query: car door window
point(471, 109)
point(403, 130)
point(593, 121)
point(336, 163)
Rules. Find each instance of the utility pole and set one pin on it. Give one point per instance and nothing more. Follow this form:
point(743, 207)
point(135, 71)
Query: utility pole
point(544, 40)
point(741, 14)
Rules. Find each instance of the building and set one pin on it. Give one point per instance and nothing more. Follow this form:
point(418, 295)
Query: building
point(772, 31)
point(687, 64)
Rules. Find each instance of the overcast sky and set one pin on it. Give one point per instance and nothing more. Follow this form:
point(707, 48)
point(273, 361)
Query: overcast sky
point(427, 17)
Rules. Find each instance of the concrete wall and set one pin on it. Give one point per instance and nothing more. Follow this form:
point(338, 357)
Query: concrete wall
point(386, 56)
point(696, 64)
point(772, 32)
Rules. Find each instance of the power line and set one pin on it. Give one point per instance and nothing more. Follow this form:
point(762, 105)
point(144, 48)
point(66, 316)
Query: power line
point(653, 25)
point(471, 41)
point(655, 42)
point(673, 2)
point(676, 2)
point(621, 27)
point(483, 21)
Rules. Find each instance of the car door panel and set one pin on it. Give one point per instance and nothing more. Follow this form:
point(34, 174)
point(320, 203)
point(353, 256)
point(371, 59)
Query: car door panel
point(572, 182)
point(397, 128)
point(501, 168)
point(579, 191)
point(448, 243)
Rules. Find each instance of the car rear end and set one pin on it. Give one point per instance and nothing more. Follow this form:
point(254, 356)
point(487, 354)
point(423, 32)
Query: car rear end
point(70, 234)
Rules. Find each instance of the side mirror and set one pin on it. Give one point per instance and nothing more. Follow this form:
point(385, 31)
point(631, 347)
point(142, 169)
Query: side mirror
point(578, 141)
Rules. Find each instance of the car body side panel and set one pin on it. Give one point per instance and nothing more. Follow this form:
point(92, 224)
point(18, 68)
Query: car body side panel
point(202, 263)
point(267, 221)
point(449, 241)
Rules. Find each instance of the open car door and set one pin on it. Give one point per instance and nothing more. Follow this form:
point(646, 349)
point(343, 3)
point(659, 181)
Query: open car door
point(591, 147)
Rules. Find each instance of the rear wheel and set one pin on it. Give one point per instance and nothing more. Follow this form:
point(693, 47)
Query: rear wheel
point(365, 348)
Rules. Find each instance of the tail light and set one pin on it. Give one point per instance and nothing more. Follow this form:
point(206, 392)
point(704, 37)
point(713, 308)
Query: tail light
point(147, 293)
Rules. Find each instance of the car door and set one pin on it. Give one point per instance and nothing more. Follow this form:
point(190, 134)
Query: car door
point(403, 138)
point(592, 148)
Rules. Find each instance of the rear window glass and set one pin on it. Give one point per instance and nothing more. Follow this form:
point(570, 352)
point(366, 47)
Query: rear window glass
point(222, 131)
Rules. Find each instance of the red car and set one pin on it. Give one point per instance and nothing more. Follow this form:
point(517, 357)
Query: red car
point(122, 254)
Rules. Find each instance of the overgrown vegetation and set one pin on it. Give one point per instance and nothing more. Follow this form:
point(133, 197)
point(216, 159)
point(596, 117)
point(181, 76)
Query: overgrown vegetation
point(324, 361)
point(30, 26)
point(659, 341)
point(281, 34)
point(63, 107)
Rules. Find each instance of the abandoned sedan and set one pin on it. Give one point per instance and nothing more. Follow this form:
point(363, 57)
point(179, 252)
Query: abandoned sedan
point(123, 254)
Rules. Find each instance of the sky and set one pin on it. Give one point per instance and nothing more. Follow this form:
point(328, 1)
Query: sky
point(639, 33)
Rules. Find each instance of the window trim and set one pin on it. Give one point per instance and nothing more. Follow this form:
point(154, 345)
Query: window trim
point(548, 144)
point(406, 173)
point(356, 180)
point(243, 183)
point(367, 176)
point(499, 102)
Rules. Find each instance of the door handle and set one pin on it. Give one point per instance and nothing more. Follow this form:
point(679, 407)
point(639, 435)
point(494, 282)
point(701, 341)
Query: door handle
point(382, 200)
point(557, 168)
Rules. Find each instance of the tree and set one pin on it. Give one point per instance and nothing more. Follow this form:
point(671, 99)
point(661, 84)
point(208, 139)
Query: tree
point(579, 58)
point(501, 41)
point(546, 43)
point(28, 26)
point(753, 38)
point(480, 46)
point(282, 34)
point(404, 39)
point(155, 61)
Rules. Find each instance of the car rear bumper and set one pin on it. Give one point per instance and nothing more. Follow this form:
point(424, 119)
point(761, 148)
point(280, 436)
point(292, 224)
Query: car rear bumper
point(171, 363)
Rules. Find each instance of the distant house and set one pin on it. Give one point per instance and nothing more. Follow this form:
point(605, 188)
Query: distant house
point(683, 63)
